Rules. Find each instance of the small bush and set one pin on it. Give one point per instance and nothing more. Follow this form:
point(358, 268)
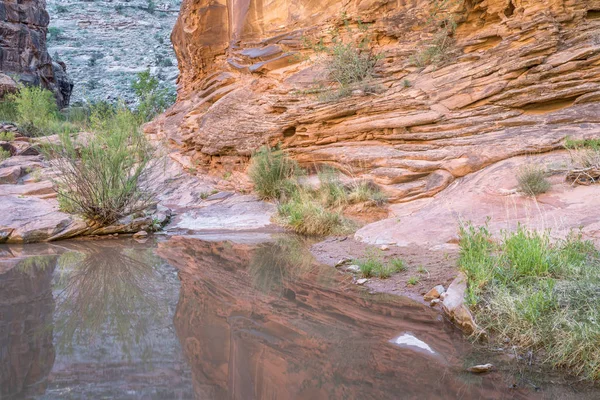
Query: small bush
point(398, 264)
point(270, 171)
point(305, 210)
point(8, 110)
point(7, 136)
point(350, 63)
point(36, 110)
point(4, 154)
point(101, 178)
point(532, 180)
point(152, 98)
point(371, 264)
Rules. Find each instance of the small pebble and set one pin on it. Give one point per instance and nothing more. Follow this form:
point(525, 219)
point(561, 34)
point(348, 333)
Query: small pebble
point(384, 247)
point(362, 281)
point(140, 234)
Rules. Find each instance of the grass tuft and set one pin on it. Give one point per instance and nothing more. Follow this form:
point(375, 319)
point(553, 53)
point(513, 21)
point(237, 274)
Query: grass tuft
point(7, 136)
point(540, 294)
point(372, 265)
point(303, 209)
point(532, 180)
point(271, 171)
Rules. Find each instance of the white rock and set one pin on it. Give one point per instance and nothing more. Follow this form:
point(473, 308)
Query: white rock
point(352, 268)
point(362, 281)
point(480, 369)
point(434, 293)
point(384, 247)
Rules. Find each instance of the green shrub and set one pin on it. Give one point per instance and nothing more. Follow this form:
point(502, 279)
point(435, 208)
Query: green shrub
point(4, 154)
point(7, 136)
point(270, 171)
point(152, 98)
point(100, 178)
point(36, 110)
point(539, 294)
point(398, 265)
point(413, 280)
point(532, 180)
point(350, 63)
point(8, 110)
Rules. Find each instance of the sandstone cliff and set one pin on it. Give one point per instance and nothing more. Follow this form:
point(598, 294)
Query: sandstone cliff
point(23, 53)
point(520, 76)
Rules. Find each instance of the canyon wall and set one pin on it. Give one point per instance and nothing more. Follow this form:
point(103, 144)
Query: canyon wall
point(23, 53)
point(519, 76)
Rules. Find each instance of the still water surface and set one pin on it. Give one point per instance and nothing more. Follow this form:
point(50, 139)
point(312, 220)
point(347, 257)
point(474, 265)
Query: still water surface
point(209, 318)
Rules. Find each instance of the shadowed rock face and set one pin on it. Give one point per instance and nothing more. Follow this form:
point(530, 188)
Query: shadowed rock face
point(23, 54)
point(522, 75)
point(260, 321)
point(26, 348)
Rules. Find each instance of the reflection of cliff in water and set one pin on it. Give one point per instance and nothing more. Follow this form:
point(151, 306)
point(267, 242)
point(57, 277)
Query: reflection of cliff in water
point(262, 322)
point(26, 306)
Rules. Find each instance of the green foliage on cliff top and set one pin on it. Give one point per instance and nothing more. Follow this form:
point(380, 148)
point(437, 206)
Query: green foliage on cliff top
point(540, 295)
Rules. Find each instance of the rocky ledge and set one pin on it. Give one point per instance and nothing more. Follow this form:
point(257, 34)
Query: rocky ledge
point(519, 77)
point(30, 210)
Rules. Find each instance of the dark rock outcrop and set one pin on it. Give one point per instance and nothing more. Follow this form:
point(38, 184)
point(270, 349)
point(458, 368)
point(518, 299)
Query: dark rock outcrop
point(23, 53)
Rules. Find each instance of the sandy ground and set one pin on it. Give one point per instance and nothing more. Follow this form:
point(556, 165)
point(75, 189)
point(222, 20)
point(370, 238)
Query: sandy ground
point(430, 267)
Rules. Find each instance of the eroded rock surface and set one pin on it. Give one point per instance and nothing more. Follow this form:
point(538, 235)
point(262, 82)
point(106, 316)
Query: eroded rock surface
point(490, 197)
point(23, 53)
point(521, 77)
point(29, 210)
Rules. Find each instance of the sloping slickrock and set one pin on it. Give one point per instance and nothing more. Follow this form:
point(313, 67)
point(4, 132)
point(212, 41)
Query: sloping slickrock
point(29, 219)
point(490, 196)
point(519, 78)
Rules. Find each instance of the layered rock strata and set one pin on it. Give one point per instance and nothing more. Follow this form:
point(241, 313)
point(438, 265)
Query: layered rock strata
point(520, 76)
point(23, 53)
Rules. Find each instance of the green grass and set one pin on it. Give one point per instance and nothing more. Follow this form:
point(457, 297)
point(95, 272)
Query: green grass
point(398, 264)
point(373, 265)
point(532, 180)
point(271, 171)
point(574, 144)
point(413, 280)
point(4, 154)
point(306, 216)
point(303, 209)
point(541, 295)
point(7, 136)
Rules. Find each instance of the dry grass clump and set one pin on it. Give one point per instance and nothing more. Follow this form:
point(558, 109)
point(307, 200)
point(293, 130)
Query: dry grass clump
point(585, 161)
point(540, 295)
point(532, 180)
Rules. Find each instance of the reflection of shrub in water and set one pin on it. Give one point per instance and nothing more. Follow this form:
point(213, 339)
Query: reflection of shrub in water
point(275, 264)
point(107, 291)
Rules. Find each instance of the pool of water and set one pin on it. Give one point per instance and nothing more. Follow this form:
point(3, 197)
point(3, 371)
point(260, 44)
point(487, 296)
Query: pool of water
point(243, 317)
